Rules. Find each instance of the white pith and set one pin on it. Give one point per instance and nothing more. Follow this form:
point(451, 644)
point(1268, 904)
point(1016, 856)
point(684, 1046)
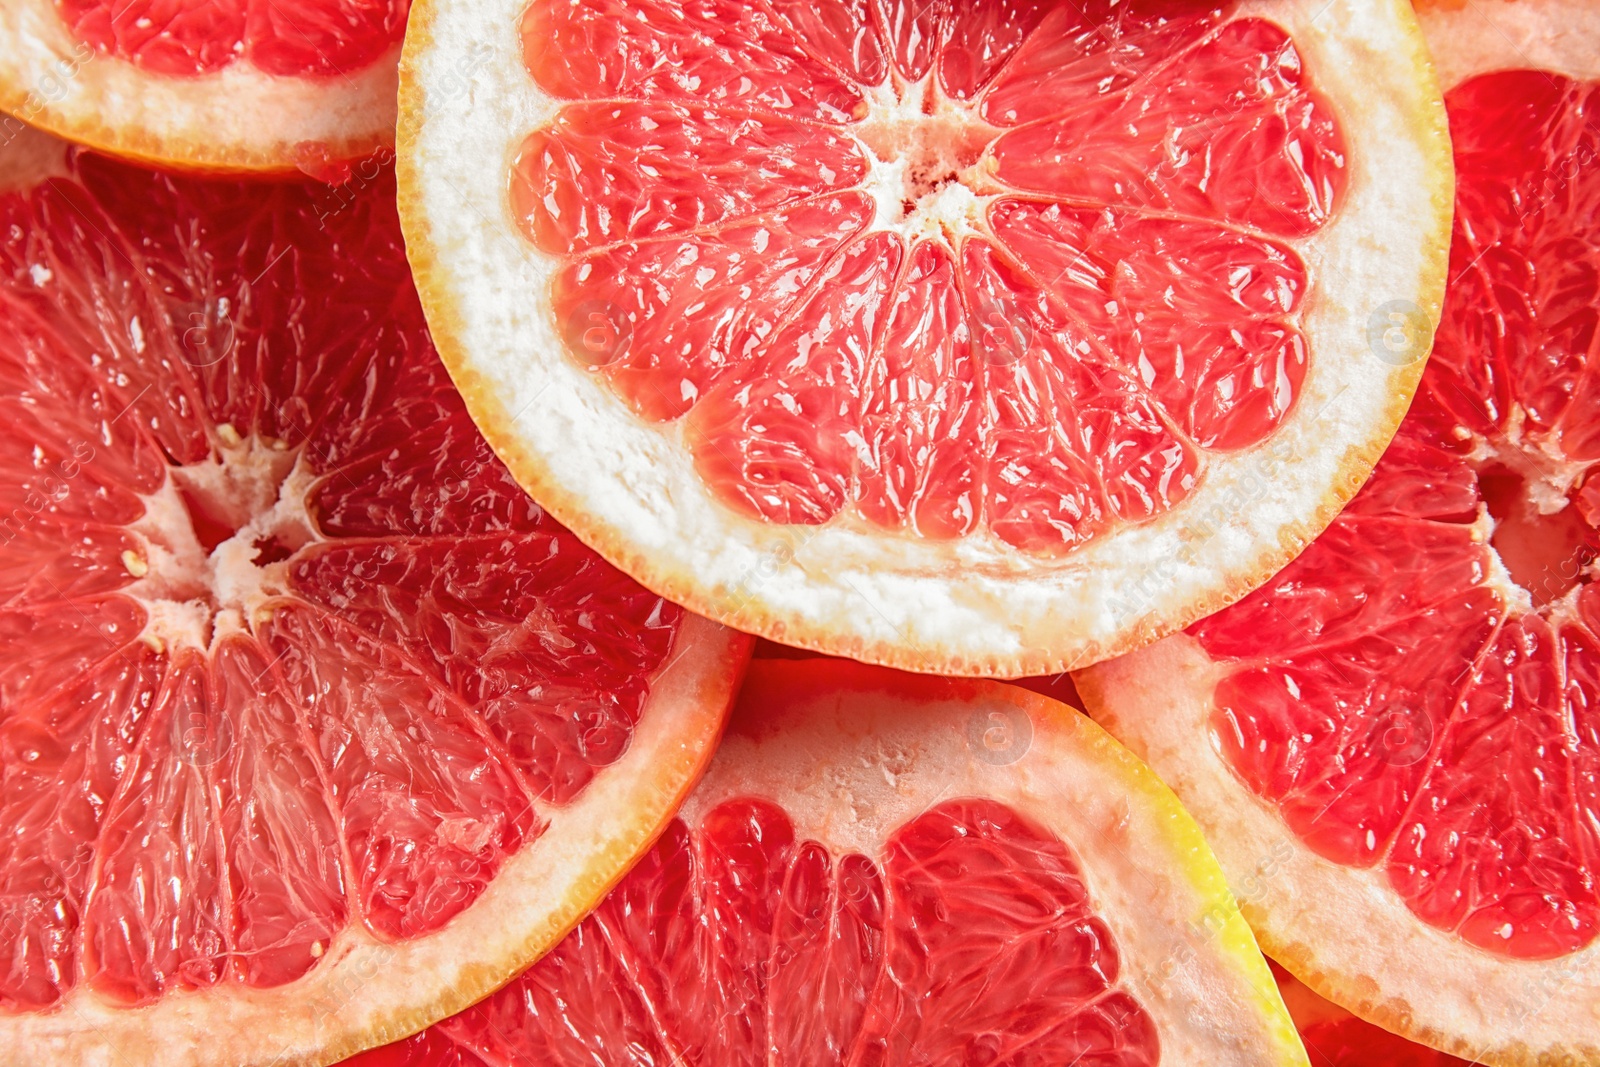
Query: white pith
point(852, 752)
point(970, 606)
point(901, 120)
point(237, 118)
point(1343, 930)
point(1548, 480)
point(364, 991)
point(194, 598)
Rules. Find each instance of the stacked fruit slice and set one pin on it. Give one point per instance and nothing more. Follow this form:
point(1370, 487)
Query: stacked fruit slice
point(994, 337)
point(884, 869)
point(313, 727)
point(983, 338)
point(1399, 733)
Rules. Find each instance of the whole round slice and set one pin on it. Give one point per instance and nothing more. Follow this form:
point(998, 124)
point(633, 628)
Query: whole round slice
point(885, 869)
point(1335, 1038)
point(206, 84)
point(313, 727)
point(942, 335)
point(1400, 733)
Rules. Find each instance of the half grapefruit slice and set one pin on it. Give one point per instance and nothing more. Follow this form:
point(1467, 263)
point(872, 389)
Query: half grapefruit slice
point(205, 84)
point(885, 869)
point(1399, 735)
point(313, 727)
point(985, 338)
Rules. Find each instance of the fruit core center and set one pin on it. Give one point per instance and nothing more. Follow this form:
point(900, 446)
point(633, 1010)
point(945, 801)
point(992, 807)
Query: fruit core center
point(1538, 532)
point(215, 538)
point(928, 158)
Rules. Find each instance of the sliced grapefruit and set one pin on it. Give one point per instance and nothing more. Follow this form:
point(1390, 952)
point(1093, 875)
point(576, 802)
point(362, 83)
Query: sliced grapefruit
point(206, 84)
point(313, 728)
point(939, 335)
point(1394, 745)
point(885, 869)
point(1335, 1038)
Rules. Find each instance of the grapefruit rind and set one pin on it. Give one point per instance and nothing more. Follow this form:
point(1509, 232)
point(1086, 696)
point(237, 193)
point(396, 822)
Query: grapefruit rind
point(851, 751)
point(973, 606)
point(1343, 931)
point(366, 992)
point(237, 119)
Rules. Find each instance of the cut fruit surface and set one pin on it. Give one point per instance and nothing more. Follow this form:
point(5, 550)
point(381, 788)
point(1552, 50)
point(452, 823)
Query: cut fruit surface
point(1335, 1038)
point(238, 85)
point(885, 869)
point(315, 728)
point(915, 333)
point(1402, 725)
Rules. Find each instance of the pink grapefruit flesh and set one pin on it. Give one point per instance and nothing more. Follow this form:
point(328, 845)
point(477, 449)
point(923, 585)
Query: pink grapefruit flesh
point(840, 889)
point(300, 39)
point(749, 944)
point(940, 268)
point(1417, 691)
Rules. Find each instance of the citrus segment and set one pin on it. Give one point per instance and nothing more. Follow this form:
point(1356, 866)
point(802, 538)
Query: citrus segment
point(867, 298)
point(1241, 136)
point(863, 878)
point(1412, 699)
point(304, 675)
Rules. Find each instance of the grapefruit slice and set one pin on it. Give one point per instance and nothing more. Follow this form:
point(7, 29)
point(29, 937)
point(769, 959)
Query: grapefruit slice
point(936, 335)
point(206, 84)
point(1398, 734)
point(1335, 1038)
point(313, 728)
point(886, 869)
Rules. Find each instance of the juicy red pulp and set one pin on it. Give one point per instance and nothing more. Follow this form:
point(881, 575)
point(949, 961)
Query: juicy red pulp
point(736, 941)
point(426, 667)
point(936, 268)
point(1405, 702)
point(287, 38)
